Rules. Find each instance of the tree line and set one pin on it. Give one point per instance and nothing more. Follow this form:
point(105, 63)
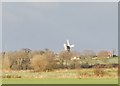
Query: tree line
point(47, 60)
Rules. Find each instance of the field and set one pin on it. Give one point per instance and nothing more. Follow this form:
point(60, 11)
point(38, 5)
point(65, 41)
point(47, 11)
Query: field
point(81, 76)
point(60, 81)
point(47, 67)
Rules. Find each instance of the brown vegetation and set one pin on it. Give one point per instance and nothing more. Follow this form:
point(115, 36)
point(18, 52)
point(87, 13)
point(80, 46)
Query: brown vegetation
point(98, 71)
point(47, 60)
point(104, 53)
point(43, 62)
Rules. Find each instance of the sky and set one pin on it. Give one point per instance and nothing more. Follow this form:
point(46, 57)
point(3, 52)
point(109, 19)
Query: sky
point(41, 25)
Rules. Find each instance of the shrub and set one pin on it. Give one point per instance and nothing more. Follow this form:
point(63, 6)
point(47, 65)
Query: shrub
point(84, 73)
point(86, 66)
point(39, 62)
point(99, 71)
point(6, 63)
point(44, 62)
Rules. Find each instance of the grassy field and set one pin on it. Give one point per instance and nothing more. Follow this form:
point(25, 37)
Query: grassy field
point(81, 76)
point(60, 81)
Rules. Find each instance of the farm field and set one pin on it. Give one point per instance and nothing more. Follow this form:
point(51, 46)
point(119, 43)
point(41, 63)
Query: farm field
point(82, 76)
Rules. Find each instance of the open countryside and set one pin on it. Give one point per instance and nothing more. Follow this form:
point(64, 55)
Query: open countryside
point(47, 67)
point(59, 43)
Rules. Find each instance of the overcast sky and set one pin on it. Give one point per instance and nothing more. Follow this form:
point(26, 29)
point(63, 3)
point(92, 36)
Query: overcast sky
point(48, 25)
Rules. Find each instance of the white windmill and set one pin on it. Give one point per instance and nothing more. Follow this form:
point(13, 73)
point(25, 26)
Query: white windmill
point(68, 46)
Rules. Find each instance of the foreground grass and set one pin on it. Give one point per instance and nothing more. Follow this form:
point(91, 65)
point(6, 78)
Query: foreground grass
point(60, 81)
point(82, 76)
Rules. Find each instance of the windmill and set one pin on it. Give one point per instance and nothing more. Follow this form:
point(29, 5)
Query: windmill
point(68, 46)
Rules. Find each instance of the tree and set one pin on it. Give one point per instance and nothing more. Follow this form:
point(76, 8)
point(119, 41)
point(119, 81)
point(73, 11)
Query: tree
point(6, 62)
point(50, 57)
point(19, 60)
point(64, 57)
point(44, 62)
point(104, 53)
point(39, 62)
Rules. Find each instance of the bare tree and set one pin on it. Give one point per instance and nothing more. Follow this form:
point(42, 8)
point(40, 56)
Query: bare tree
point(104, 53)
point(6, 62)
point(64, 57)
point(39, 62)
point(43, 62)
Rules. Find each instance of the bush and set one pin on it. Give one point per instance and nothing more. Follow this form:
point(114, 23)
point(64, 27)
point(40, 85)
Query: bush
point(44, 62)
point(84, 73)
point(99, 71)
point(86, 66)
point(39, 62)
point(6, 63)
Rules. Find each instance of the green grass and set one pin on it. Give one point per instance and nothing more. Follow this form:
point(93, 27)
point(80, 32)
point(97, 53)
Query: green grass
point(60, 81)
